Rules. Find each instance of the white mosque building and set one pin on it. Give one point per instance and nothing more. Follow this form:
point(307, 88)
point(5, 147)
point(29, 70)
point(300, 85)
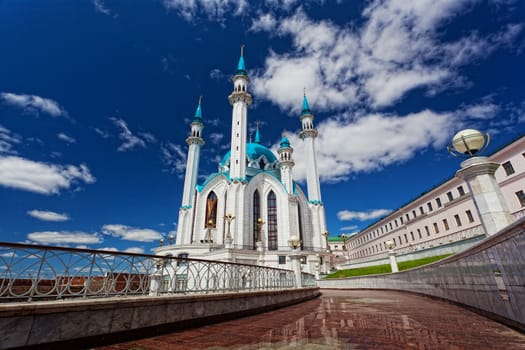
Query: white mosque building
point(249, 210)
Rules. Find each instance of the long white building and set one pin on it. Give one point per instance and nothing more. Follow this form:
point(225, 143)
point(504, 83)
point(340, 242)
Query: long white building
point(446, 216)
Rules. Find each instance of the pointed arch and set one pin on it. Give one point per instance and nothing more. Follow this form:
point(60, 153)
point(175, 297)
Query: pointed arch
point(211, 210)
point(272, 221)
point(300, 222)
point(256, 215)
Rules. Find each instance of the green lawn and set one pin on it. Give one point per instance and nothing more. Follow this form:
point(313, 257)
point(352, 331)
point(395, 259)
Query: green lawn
point(372, 270)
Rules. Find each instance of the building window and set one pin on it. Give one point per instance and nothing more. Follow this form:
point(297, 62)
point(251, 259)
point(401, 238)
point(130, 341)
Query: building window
point(436, 228)
point(445, 223)
point(438, 202)
point(408, 218)
point(395, 221)
point(211, 211)
point(401, 219)
point(414, 213)
point(509, 169)
point(427, 231)
point(282, 259)
point(419, 233)
point(272, 221)
point(300, 225)
point(458, 220)
point(421, 210)
point(183, 257)
point(406, 238)
point(461, 191)
point(390, 225)
point(412, 235)
point(450, 197)
point(256, 216)
point(429, 205)
point(521, 197)
point(469, 216)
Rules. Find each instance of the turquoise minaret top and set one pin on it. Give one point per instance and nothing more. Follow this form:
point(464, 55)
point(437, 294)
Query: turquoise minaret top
point(241, 68)
point(306, 107)
point(198, 112)
point(257, 136)
point(285, 143)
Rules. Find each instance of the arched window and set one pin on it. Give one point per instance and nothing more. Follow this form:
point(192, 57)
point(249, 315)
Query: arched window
point(256, 215)
point(272, 221)
point(211, 210)
point(300, 225)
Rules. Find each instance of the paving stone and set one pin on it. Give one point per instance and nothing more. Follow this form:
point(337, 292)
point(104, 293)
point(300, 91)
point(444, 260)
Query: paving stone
point(347, 320)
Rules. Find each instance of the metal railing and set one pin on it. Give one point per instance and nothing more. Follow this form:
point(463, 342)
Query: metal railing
point(35, 272)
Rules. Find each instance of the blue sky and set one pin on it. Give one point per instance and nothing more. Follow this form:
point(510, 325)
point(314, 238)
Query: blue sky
point(96, 97)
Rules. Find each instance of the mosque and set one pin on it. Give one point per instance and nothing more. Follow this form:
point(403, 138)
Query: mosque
point(249, 210)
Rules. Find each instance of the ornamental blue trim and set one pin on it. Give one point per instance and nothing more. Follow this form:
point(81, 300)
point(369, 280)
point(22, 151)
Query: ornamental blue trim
point(185, 207)
point(315, 202)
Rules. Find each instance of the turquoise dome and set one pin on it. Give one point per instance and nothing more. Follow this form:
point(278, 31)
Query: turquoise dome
point(253, 151)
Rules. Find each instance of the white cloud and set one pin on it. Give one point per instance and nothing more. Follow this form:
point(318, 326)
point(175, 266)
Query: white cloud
point(100, 6)
point(174, 158)
point(348, 228)
point(371, 142)
point(265, 22)
point(7, 139)
point(101, 133)
point(347, 215)
point(66, 138)
point(131, 233)
point(212, 9)
point(481, 111)
point(136, 250)
point(397, 48)
point(64, 237)
point(34, 104)
point(38, 177)
point(129, 140)
point(46, 215)
point(148, 137)
point(216, 137)
point(217, 74)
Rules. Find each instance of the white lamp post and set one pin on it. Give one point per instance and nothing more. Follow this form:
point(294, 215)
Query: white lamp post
point(294, 242)
point(228, 240)
point(392, 255)
point(478, 172)
point(259, 243)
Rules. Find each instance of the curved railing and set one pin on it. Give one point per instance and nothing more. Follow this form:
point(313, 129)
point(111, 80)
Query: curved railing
point(35, 272)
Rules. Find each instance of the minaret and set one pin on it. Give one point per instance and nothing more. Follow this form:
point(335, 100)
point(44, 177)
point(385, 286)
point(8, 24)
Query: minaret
point(240, 99)
point(195, 142)
point(286, 164)
point(308, 134)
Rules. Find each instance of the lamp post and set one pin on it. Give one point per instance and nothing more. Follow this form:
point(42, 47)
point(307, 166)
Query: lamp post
point(344, 237)
point(161, 242)
point(392, 255)
point(325, 234)
point(259, 243)
point(228, 241)
point(294, 242)
point(171, 238)
point(478, 172)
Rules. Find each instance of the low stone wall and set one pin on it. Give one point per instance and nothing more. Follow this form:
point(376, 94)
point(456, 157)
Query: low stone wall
point(488, 277)
point(83, 323)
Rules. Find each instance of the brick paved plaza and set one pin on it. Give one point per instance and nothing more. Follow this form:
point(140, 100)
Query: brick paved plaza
point(348, 320)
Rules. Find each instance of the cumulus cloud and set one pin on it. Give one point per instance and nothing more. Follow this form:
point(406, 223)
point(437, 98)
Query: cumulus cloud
point(349, 228)
point(101, 7)
point(372, 142)
point(39, 177)
point(7, 140)
point(129, 233)
point(66, 138)
point(347, 215)
point(216, 137)
point(135, 250)
point(34, 104)
point(47, 215)
point(395, 50)
point(64, 237)
point(217, 74)
point(174, 158)
point(130, 140)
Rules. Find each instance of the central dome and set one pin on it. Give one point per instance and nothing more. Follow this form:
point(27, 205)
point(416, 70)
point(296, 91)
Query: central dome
point(254, 152)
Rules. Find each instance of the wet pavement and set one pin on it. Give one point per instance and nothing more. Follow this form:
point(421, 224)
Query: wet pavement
point(347, 320)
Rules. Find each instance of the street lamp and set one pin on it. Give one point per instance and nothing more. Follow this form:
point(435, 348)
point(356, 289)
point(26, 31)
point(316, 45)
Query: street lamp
point(392, 255)
point(260, 222)
point(325, 235)
point(229, 218)
point(161, 242)
point(171, 238)
point(294, 242)
point(478, 172)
